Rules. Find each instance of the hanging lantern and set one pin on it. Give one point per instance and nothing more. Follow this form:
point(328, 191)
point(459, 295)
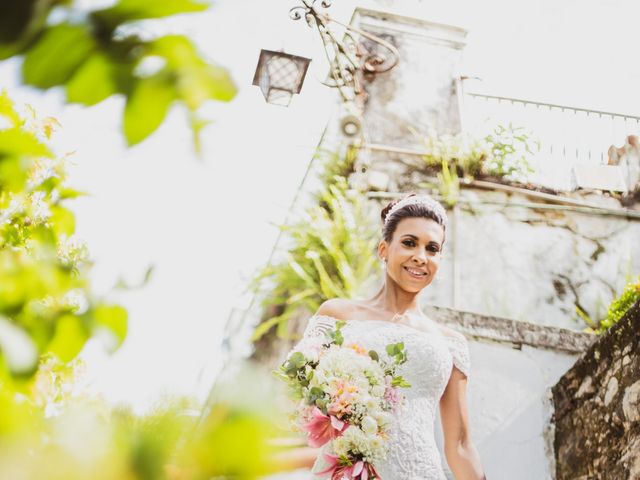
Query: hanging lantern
point(279, 75)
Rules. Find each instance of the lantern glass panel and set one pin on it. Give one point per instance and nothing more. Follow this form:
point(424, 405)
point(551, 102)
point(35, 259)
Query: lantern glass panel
point(279, 75)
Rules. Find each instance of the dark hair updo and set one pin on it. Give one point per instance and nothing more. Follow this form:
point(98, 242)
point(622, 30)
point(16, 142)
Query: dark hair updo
point(417, 206)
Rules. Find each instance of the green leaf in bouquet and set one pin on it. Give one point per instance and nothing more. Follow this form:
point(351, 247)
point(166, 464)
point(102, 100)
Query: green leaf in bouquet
point(392, 349)
point(297, 360)
point(335, 336)
point(374, 355)
point(322, 403)
point(315, 394)
point(290, 371)
point(400, 382)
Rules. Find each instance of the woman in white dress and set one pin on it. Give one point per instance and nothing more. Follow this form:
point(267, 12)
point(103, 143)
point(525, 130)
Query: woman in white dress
point(437, 368)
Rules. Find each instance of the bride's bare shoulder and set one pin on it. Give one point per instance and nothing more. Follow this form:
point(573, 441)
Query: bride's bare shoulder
point(339, 308)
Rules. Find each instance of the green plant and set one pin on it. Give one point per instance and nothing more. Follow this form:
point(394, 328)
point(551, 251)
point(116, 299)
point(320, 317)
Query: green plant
point(509, 148)
point(96, 53)
point(617, 308)
point(336, 163)
point(501, 153)
point(46, 302)
point(331, 254)
point(448, 185)
point(49, 427)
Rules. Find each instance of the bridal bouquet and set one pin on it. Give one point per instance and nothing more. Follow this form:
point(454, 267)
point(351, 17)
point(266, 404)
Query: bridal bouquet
point(346, 396)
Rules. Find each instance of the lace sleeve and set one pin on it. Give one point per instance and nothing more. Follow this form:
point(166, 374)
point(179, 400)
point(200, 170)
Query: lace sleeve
point(314, 334)
point(459, 348)
point(317, 326)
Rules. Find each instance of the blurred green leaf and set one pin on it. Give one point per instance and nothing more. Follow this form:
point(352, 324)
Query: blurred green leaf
point(57, 54)
point(18, 142)
point(66, 192)
point(93, 81)
point(20, 21)
point(114, 318)
point(130, 10)
point(8, 110)
point(63, 220)
point(267, 325)
point(85, 51)
point(146, 107)
point(17, 348)
point(69, 338)
point(197, 80)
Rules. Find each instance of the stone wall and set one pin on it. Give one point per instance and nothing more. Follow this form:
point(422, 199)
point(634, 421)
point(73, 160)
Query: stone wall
point(597, 408)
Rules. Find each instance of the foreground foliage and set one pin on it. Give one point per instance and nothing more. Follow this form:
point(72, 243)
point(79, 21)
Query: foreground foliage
point(87, 438)
point(96, 53)
point(50, 428)
point(46, 302)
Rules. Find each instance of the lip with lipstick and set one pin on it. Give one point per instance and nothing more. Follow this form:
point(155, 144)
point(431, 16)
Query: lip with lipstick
point(416, 273)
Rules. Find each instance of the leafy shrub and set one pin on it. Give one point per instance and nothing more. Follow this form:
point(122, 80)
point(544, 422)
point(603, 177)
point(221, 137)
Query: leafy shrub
point(331, 254)
point(501, 153)
point(46, 302)
point(617, 308)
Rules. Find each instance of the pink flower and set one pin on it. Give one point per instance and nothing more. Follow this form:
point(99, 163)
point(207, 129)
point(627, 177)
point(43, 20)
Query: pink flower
point(359, 471)
point(323, 428)
point(393, 396)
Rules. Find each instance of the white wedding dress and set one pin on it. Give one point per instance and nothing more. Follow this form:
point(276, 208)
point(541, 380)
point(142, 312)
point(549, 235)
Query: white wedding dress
point(413, 453)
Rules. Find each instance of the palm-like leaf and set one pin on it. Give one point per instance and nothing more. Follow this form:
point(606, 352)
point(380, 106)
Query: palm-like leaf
point(331, 254)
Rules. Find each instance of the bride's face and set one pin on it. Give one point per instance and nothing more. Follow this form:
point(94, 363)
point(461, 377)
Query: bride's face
point(414, 253)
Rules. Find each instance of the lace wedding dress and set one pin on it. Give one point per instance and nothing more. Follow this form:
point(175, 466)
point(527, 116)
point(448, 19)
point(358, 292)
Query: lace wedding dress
point(412, 454)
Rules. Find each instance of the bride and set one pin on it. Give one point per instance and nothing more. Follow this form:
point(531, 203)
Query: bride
point(413, 236)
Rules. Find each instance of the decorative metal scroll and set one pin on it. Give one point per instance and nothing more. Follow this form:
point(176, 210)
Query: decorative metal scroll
point(350, 59)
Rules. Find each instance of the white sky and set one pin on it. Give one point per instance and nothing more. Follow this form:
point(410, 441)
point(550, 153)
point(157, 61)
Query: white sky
point(205, 224)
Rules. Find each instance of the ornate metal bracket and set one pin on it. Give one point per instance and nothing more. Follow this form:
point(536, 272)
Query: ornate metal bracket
point(350, 60)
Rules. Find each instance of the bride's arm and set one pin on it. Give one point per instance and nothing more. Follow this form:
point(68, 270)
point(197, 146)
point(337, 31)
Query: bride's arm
point(461, 453)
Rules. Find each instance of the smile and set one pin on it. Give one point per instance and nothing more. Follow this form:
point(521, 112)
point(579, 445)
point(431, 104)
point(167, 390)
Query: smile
point(415, 273)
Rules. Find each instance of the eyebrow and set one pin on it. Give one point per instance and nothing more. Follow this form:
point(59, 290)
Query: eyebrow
point(416, 238)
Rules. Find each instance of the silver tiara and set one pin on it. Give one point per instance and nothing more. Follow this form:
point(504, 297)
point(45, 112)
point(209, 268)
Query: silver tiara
point(431, 204)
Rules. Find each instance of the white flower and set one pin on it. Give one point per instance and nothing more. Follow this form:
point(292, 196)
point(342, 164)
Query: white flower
point(377, 390)
point(39, 207)
point(369, 425)
point(384, 419)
